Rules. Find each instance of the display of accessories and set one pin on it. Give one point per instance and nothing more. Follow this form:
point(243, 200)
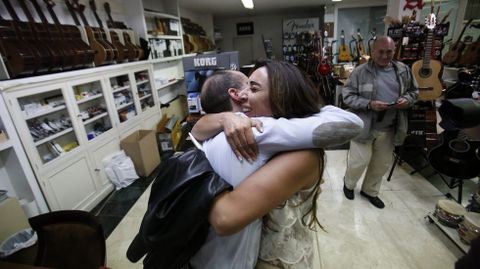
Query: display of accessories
point(40, 106)
point(42, 130)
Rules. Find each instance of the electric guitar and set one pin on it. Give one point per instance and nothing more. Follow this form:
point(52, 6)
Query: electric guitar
point(323, 67)
point(343, 51)
point(71, 35)
point(455, 156)
point(455, 50)
point(427, 71)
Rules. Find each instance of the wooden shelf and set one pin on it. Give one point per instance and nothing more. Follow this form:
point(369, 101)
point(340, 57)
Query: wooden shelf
point(121, 89)
point(164, 36)
point(167, 84)
point(124, 106)
point(142, 81)
point(166, 59)
point(145, 97)
point(149, 13)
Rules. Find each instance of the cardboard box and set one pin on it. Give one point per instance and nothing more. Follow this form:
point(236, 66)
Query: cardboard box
point(13, 218)
point(141, 146)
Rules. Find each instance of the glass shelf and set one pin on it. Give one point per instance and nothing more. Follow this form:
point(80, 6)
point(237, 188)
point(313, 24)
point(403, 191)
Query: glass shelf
point(144, 89)
point(123, 97)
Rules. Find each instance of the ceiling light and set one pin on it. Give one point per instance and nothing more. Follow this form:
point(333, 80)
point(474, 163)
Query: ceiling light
point(247, 4)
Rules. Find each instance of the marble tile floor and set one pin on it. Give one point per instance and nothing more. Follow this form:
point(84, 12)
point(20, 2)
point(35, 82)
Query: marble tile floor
point(357, 235)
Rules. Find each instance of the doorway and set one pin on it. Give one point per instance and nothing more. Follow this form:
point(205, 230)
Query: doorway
point(244, 46)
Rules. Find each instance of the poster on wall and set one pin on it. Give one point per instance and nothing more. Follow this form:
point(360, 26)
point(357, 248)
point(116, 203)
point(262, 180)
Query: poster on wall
point(301, 25)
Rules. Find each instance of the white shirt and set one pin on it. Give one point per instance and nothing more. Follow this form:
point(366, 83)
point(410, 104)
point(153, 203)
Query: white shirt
point(331, 126)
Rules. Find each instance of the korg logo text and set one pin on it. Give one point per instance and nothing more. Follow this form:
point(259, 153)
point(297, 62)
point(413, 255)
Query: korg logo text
point(200, 62)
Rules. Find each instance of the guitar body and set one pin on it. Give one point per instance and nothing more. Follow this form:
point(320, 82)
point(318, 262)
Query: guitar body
point(122, 49)
point(344, 54)
point(103, 39)
point(455, 157)
point(323, 68)
point(103, 54)
point(84, 54)
point(429, 85)
point(40, 52)
point(453, 53)
point(17, 56)
point(471, 54)
point(136, 52)
point(49, 47)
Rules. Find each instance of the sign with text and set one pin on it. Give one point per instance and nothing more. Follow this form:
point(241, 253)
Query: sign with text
point(301, 25)
point(245, 28)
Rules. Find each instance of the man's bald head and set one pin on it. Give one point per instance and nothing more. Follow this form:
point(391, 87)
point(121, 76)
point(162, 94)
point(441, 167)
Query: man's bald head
point(215, 95)
point(383, 51)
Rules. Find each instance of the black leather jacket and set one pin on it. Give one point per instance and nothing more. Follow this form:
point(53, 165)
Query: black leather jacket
point(176, 225)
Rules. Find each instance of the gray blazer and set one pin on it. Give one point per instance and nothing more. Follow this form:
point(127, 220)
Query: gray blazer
point(361, 88)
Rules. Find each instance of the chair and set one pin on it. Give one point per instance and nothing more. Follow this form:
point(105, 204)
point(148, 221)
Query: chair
point(69, 239)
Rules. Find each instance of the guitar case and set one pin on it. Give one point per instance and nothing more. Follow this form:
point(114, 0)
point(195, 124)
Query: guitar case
point(459, 113)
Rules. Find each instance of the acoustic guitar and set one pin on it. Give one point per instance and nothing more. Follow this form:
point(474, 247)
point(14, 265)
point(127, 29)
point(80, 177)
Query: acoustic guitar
point(371, 40)
point(72, 36)
point(25, 34)
point(455, 156)
point(115, 40)
point(455, 50)
point(16, 55)
point(69, 59)
point(343, 51)
point(47, 40)
point(134, 51)
point(103, 51)
point(352, 45)
point(427, 71)
point(471, 54)
point(360, 46)
point(323, 67)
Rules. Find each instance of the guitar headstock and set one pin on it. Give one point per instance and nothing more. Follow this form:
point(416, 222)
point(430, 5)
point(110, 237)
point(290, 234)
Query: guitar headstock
point(359, 35)
point(93, 6)
point(49, 3)
point(106, 5)
point(431, 21)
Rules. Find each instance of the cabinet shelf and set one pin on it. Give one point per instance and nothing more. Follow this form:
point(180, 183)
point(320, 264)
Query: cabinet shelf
point(166, 59)
point(95, 118)
point(167, 84)
point(120, 89)
point(90, 98)
point(124, 106)
point(142, 81)
point(145, 97)
point(45, 112)
point(50, 138)
point(164, 36)
point(5, 145)
point(150, 13)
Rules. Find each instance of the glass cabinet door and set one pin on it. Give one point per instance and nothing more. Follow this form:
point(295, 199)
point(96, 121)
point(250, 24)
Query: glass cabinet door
point(144, 89)
point(92, 108)
point(123, 97)
point(49, 124)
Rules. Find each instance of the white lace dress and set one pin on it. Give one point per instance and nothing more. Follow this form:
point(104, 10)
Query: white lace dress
point(290, 243)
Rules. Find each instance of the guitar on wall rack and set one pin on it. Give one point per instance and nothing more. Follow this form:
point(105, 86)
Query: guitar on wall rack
point(44, 39)
point(427, 71)
point(343, 51)
point(115, 40)
point(16, 55)
point(135, 52)
point(371, 40)
point(455, 51)
point(26, 35)
point(323, 67)
point(471, 54)
point(71, 34)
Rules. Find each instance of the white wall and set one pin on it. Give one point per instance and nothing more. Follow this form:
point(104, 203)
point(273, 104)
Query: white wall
point(270, 26)
point(205, 20)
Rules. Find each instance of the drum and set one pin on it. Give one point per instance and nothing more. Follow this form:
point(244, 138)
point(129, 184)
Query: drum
point(469, 228)
point(449, 213)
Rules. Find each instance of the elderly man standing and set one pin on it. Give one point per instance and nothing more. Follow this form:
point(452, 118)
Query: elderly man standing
point(379, 92)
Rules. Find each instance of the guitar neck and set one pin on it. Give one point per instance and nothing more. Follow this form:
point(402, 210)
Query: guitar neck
point(25, 9)
point(427, 53)
point(71, 9)
point(39, 11)
point(94, 9)
point(11, 10)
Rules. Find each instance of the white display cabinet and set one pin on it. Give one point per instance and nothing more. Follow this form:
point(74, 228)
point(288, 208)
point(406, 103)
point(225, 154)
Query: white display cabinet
point(69, 122)
point(16, 175)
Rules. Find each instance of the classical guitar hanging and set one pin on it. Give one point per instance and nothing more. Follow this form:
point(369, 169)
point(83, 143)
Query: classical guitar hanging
point(426, 70)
